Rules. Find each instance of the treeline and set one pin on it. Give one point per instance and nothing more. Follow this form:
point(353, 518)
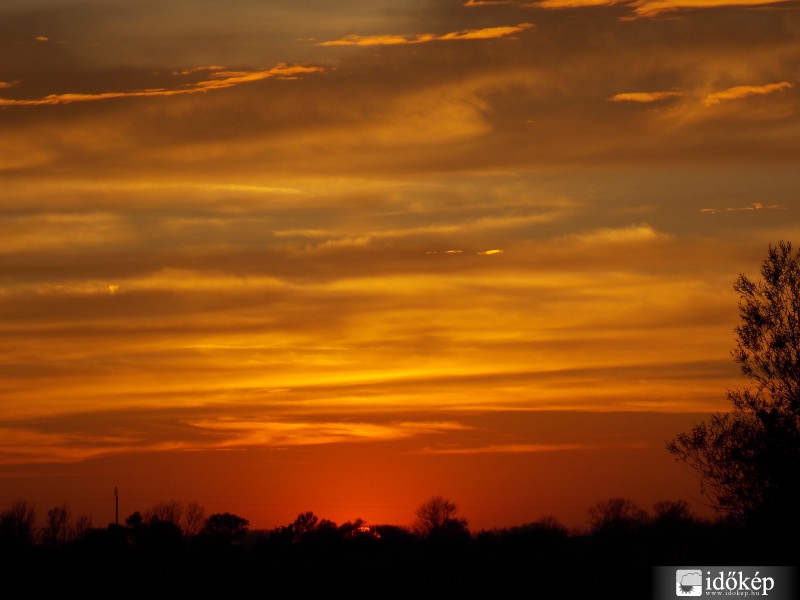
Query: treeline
point(174, 544)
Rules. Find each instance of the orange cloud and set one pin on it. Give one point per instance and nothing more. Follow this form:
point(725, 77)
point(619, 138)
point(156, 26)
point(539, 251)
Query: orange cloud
point(473, 3)
point(282, 434)
point(643, 97)
point(576, 3)
point(24, 445)
point(649, 8)
point(633, 234)
point(645, 8)
point(220, 80)
point(743, 91)
point(198, 70)
point(421, 38)
point(50, 231)
point(752, 207)
point(510, 448)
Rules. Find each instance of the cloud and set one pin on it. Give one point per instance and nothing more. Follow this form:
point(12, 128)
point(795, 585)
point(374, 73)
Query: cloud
point(220, 80)
point(491, 252)
point(651, 8)
point(544, 3)
point(474, 220)
point(624, 235)
point(472, 3)
point(26, 446)
point(464, 112)
point(577, 3)
point(421, 38)
point(63, 231)
point(644, 97)
point(743, 91)
point(241, 433)
point(510, 449)
point(8, 84)
point(200, 69)
point(73, 438)
point(753, 207)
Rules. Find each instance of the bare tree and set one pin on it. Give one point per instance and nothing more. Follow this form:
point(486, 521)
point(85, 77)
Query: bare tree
point(57, 530)
point(17, 525)
point(189, 517)
point(437, 517)
point(170, 511)
point(194, 516)
point(616, 514)
point(83, 524)
point(671, 512)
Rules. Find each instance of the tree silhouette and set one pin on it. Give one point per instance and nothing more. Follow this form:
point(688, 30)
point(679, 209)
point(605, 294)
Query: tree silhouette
point(189, 517)
point(437, 518)
point(170, 511)
point(17, 525)
point(193, 518)
point(135, 520)
point(57, 530)
point(224, 529)
point(226, 524)
point(616, 514)
point(83, 525)
point(159, 538)
point(305, 522)
point(749, 458)
point(669, 513)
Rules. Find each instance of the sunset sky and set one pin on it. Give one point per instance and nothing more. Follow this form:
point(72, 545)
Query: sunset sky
point(276, 256)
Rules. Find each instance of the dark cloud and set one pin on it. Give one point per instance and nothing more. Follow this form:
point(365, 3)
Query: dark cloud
point(537, 100)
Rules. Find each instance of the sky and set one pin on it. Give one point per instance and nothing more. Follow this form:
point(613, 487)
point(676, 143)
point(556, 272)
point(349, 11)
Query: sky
point(276, 256)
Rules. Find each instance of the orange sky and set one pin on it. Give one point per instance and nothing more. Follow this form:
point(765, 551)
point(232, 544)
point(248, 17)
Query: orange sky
point(276, 257)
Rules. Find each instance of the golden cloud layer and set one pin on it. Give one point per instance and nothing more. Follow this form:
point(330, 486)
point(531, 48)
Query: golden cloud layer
point(220, 80)
point(314, 270)
point(287, 433)
point(651, 8)
point(472, 3)
point(577, 3)
point(743, 91)
point(644, 97)
point(642, 8)
point(753, 207)
point(422, 38)
point(511, 449)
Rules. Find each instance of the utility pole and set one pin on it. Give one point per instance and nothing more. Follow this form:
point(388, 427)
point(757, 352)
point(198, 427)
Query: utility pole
point(116, 506)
